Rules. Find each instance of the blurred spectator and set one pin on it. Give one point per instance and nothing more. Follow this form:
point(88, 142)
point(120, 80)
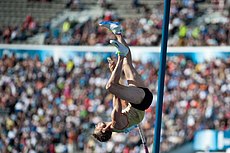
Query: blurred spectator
point(107, 4)
point(218, 4)
point(136, 4)
point(6, 35)
point(66, 26)
point(30, 25)
point(20, 33)
point(73, 4)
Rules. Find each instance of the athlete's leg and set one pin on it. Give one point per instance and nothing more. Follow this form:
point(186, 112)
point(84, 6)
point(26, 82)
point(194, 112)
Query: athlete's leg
point(128, 93)
point(116, 74)
point(131, 74)
point(112, 65)
point(134, 79)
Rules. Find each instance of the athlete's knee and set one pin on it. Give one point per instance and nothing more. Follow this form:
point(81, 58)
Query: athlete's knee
point(109, 86)
point(127, 62)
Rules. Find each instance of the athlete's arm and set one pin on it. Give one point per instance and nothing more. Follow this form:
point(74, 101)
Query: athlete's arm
point(117, 109)
point(119, 120)
point(117, 104)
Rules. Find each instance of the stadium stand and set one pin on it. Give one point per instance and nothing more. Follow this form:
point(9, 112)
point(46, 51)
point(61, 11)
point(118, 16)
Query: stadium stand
point(14, 12)
point(21, 19)
point(193, 23)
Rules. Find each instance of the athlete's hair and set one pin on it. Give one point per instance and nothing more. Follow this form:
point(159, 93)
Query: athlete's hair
point(102, 136)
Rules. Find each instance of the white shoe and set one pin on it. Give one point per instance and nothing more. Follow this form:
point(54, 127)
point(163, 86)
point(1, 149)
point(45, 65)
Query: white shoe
point(121, 49)
point(115, 27)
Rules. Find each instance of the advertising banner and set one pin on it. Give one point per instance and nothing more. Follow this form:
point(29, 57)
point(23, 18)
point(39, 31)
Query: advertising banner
point(211, 140)
point(145, 54)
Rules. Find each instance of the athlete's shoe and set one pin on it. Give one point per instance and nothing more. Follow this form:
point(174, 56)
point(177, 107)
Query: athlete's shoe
point(115, 27)
point(121, 49)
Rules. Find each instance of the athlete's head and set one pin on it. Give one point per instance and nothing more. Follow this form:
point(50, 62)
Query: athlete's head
point(100, 134)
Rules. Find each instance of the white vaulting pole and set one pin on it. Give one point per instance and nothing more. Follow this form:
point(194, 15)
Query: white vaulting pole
point(143, 138)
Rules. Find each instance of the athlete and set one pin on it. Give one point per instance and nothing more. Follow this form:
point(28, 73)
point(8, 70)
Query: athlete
point(136, 97)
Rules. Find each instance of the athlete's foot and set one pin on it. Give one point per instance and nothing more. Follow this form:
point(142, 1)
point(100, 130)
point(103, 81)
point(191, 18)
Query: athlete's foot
point(115, 27)
point(121, 49)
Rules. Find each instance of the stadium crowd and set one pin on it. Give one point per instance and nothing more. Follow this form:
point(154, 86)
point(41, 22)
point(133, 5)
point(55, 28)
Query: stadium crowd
point(144, 31)
point(53, 106)
point(11, 34)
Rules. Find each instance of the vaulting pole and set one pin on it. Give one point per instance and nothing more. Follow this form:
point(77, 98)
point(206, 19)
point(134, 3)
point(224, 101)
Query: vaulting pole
point(143, 138)
point(161, 77)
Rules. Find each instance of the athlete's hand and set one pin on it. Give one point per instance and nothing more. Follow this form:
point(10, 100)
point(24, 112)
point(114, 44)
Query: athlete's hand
point(112, 64)
point(107, 127)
